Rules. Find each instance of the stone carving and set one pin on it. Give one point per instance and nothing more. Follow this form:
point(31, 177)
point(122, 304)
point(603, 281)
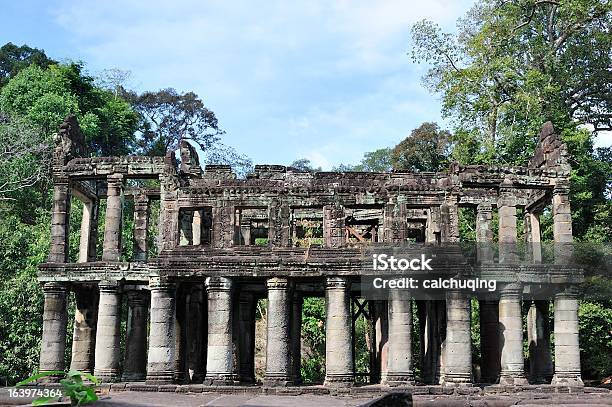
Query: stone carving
point(225, 242)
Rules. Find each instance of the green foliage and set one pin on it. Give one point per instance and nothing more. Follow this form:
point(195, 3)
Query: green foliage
point(21, 301)
point(72, 387)
point(595, 323)
point(14, 59)
point(304, 165)
point(514, 65)
point(45, 96)
point(313, 332)
point(426, 149)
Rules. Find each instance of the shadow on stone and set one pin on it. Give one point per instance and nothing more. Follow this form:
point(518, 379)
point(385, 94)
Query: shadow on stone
point(391, 400)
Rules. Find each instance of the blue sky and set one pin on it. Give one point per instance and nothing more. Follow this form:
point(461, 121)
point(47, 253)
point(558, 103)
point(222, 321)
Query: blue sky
point(322, 80)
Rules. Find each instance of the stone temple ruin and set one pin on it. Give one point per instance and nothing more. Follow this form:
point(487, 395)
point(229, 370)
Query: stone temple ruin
point(285, 235)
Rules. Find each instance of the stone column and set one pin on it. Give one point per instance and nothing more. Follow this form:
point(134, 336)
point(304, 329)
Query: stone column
point(432, 315)
point(219, 359)
point(135, 358)
point(84, 335)
point(394, 222)
point(161, 356)
point(484, 232)
point(248, 305)
point(113, 221)
point(60, 217)
point(489, 308)
point(489, 341)
point(562, 223)
point(296, 338)
point(333, 226)
point(196, 227)
point(186, 225)
point(399, 362)
point(89, 231)
point(511, 336)
point(55, 319)
point(532, 236)
point(278, 357)
point(458, 344)
point(180, 334)
point(538, 337)
point(195, 333)
point(567, 349)
point(507, 226)
point(279, 230)
point(141, 226)
point(108, 353)
point(338, 341)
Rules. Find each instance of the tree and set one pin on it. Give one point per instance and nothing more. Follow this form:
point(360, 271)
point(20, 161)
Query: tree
point(44, 97)
point(24, 157)
point(304, 165)
point(514, 65)
point(14, 59)
point(426, 149)
point(373, 161)
point(167, 116)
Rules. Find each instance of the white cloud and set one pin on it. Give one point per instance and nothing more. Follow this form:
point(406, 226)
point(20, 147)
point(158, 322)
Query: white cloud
point(284, 78)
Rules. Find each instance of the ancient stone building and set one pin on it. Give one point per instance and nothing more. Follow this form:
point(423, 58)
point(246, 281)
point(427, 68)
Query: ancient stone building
point(223, 243)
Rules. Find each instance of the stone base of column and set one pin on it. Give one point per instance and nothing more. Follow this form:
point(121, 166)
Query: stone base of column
point(161, 377)
point(107, 375)
point(512, 378)
point(219, 379)
point(456, 379)
point(571, 379)
point(272, 379)
point(398, 379)
point(339, 380)
point(132, 377)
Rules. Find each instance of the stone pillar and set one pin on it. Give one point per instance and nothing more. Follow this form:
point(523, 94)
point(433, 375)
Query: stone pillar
point(196, 330)
point(186, 225)
point(279, 228)
point(278, 357)
point(511, 336)
point(141, 226)
point(108, 352)
point(394, 222)
point(248, 305)
point(60, 217)
point(196, 227)
point(507, 226)
point(338, 341)
point(484, 232)
point(89, 231)
point(562, 223)
point(55, 319)
point(567, 349)
point(532, 237)
point(113, 221)
point(135, 357)
point(333, 226)
point(489, 341)
point(296, 338)
point(180, 334)
point(489, 308)
point(161, 356)
point(379, 311)
point(458, 344)
point(432, 314)
point(219, 358)
point(538, 337)
point(84, 334)
point(399, 362)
